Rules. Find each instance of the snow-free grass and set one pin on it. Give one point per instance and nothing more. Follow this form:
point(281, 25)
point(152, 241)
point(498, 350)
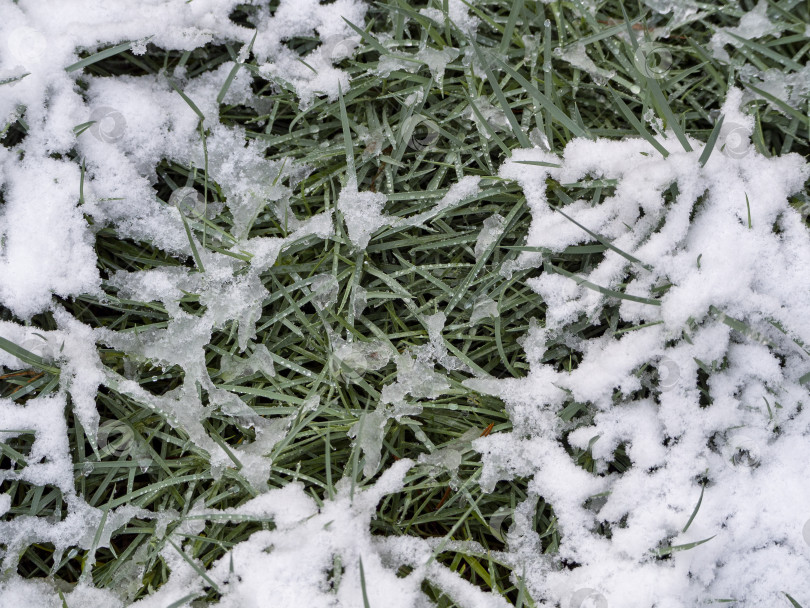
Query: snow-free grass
point(404, 304)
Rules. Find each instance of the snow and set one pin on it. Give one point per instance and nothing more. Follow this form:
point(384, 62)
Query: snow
point(335, 537)
point(745, 275)
point(753, 24)
point(735, 271)
point(46, 246)
point(362, 212)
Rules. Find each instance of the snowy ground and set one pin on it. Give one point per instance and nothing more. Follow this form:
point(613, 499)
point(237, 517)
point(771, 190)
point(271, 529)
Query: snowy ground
point(673, 450)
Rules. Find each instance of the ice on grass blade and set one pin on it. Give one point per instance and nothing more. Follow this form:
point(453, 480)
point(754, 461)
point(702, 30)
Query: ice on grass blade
point(448, 459)
point(353, 359)
point(576, 55)
point(492, 228)
point(119, 439)
point(325, 288)
point(359, 300)
point(421, 132)
point(539, 139)
point(653, 60)
point(437, 61)
point(192, 205)
point(481, 62)
point(488, 119)
point(187, 200)
point(109, 124)
point(497, 520)
point(362, 213)
point(12, 78)
point(232, 367)
point(37, 356)
point(368, 433)
point(484, 308)
point(40, 346)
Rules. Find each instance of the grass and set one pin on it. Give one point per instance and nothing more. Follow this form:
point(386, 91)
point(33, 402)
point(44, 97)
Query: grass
point(406, 272)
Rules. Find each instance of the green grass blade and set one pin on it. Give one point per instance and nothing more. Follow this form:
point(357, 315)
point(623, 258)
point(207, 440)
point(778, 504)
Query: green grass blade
point(363, 585)
point(188, 100)
point(496, 89)
point(604, 290)
point(545, 102)
point(640, 129)
point(672, 549)
point(83, 63)
point(234, 71)
point(195, 254)
point(710, 143)
point(27, 356)
point(351, 172)
point(695, 511)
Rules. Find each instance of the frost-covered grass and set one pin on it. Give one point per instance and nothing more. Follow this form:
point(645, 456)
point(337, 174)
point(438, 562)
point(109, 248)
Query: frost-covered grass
point(452, 221)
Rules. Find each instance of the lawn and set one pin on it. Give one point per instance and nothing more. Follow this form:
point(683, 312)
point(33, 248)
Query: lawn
point(435, 303)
